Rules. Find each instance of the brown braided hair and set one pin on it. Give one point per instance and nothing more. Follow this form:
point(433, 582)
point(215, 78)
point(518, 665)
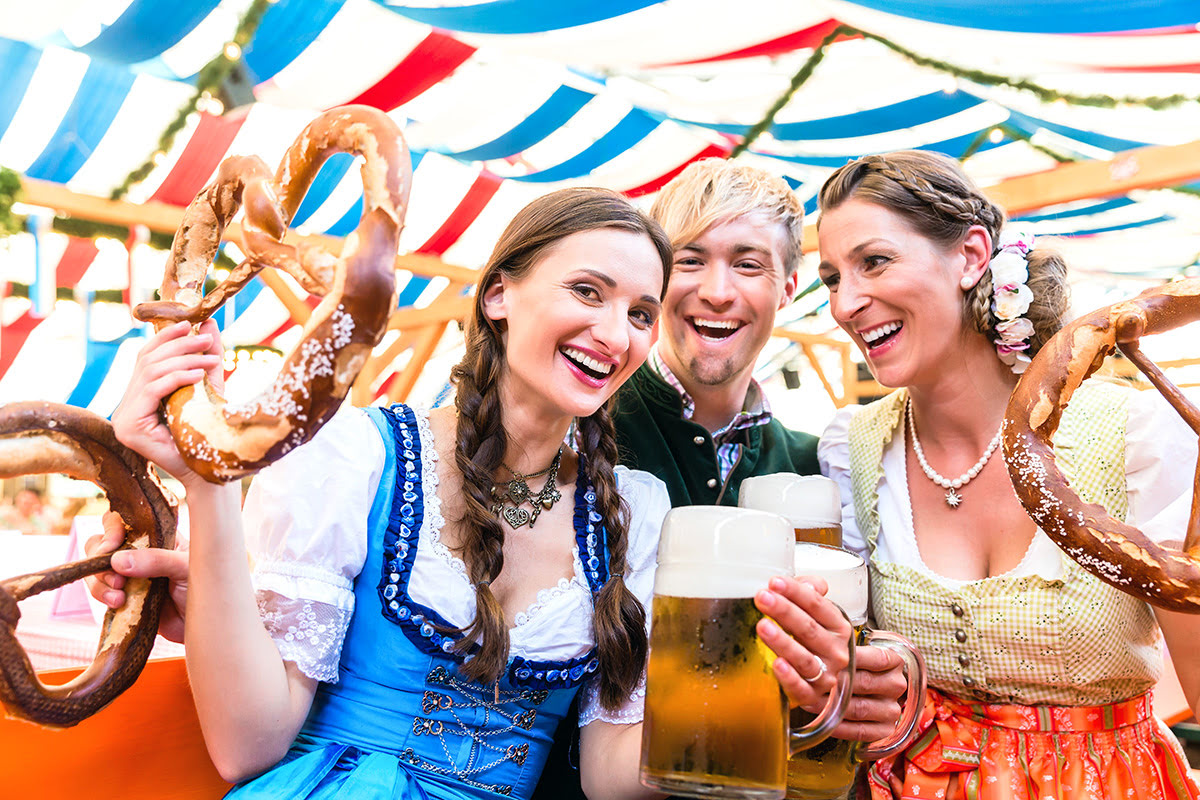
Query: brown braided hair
point(618, 618)
point(941, 202)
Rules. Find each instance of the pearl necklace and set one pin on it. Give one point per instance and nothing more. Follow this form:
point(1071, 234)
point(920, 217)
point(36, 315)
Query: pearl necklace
point(953, 498)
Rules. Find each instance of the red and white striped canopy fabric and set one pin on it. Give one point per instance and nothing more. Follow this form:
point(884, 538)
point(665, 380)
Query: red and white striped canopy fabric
point(505, 100)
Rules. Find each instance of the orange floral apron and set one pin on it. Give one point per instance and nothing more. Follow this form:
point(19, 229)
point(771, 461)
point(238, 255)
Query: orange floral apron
point(982, 751)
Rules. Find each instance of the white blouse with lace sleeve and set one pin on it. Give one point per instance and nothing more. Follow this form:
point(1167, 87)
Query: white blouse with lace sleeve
point(1156, 442)
point(306, 529)
point(648, 505)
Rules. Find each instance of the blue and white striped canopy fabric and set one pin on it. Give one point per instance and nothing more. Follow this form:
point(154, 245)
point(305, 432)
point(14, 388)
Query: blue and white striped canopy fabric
point(503, 100)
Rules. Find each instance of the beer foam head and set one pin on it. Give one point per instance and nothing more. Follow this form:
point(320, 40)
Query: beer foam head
point(845, 572)
point(807, 501)
point(717, 551)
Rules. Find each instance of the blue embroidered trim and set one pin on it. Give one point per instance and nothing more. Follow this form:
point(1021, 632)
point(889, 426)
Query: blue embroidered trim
point(590, 535)
point(423, 625)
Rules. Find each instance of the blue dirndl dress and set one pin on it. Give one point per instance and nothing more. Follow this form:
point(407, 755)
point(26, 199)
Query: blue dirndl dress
point(402, 722)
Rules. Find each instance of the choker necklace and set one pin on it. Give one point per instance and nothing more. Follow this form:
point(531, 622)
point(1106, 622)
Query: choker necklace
point(517, 491)
point(953, 498)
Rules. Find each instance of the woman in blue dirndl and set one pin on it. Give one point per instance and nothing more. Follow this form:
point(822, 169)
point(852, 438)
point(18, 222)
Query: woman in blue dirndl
point(428, 590)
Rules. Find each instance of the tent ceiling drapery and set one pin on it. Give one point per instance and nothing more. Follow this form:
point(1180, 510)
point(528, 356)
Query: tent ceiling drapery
point(507, 99)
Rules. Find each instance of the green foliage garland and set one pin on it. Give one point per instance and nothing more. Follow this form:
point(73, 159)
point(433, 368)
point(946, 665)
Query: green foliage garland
point(974, 75)
point(10, 192)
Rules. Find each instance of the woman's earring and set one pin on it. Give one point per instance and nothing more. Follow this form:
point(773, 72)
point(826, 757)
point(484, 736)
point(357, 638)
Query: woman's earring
point(966, 283)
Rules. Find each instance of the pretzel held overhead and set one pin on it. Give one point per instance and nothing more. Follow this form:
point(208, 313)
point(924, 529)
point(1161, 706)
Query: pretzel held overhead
point(222, 441)
point(1108, 548)
point(38, 438)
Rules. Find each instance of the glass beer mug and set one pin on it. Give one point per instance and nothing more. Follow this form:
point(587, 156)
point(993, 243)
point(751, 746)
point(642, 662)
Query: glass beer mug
point(812, 503)
point(826, 771)
point(716, 721)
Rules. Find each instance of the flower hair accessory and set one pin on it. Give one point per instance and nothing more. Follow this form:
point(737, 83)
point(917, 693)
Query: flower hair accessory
point(1011, 297)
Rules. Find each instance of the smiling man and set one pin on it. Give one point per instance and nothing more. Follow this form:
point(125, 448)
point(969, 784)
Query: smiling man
point(693, 414)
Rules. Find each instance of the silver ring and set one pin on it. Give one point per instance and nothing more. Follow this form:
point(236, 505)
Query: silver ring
point(820, 671)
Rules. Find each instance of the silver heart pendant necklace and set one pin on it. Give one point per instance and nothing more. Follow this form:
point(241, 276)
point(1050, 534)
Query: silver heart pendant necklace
point(510, 495)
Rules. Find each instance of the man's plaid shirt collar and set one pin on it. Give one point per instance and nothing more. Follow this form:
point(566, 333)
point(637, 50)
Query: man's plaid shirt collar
point(755, 411)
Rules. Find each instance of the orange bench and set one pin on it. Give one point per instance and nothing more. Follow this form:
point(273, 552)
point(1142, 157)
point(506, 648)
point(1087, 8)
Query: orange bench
point(146, 744)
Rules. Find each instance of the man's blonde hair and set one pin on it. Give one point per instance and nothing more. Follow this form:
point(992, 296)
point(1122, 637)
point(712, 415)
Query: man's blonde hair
point(714, 190)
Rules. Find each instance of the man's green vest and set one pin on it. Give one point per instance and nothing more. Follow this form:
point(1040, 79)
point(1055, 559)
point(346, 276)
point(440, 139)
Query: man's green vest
point(652, 435)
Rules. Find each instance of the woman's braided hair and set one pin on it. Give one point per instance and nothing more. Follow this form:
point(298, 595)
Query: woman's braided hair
point(618, 618)
point(941, 202)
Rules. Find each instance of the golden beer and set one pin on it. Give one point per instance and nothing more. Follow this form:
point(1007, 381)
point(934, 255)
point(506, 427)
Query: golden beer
point(716, 714)
point(826, 770)
point(830, 535)
point(812, 504)
point(716, 720)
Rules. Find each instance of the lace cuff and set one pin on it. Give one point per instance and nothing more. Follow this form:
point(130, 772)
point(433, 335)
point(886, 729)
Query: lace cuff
point(590, 708)
point(308, 633)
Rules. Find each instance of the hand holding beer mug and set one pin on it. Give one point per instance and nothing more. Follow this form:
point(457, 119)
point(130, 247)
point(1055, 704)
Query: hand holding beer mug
point(716, 719)
point(812, 503)
point(826, 771)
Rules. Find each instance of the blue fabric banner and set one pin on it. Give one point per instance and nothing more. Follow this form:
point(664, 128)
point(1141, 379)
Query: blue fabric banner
point(549, 117)
point(1046, 16)
point(97, 101)
point(99, 360)
point(17, 63)
point(286, 30)
point(349, 220)
point(147, 28)
point(892, 117)
point(518, 16)
point(633, 127)
point(1080, 211)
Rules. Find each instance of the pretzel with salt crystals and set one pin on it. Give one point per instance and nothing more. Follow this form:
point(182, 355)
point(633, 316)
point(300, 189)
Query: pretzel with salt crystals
point(38, 438)
point(221, 441)
point(1108, 548)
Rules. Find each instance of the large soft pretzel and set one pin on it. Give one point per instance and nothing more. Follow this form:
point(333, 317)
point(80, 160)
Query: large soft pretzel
point(39, 438)
point(222, 441)
point(1108, 548)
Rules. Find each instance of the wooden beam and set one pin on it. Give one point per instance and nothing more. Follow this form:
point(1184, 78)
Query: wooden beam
point(1142, 168)
point(850, 393)
point(1123, 368)
point(166, 218)
point(297, 309)
point(816, 365)
point(422, 351)
point(807, 342)
point(810, 338)
point(441, 310)
point(155, 216)
point(361, 393)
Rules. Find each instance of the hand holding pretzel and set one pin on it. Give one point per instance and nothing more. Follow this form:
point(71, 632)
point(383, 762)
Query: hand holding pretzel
point(221, 441)
point(127, 563)
point(1108, 548)
point(38, 438)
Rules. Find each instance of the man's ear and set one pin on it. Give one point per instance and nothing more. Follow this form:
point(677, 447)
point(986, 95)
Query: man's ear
point(494, 301)
point(789, 289)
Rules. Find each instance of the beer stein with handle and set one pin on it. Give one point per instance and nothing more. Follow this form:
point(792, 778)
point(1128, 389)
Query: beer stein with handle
point(812, 503)
point(826, 771)
point(717, 721)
